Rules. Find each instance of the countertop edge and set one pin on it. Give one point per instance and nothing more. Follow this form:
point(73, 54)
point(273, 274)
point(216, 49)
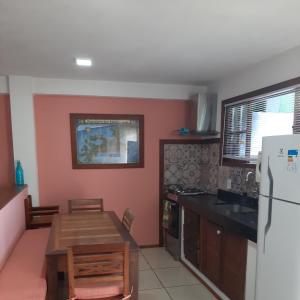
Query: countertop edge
point(9, 193)
point(228, 223)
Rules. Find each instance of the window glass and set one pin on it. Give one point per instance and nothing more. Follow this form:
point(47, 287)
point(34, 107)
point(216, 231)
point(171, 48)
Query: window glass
point(247, 122)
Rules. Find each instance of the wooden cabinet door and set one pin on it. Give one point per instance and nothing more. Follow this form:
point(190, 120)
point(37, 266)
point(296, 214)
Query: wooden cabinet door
point(234, 266)
point(213, 235)
point(191, 236)
point(219, 254)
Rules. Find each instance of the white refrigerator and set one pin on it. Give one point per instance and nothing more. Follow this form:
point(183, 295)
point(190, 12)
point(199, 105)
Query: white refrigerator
point(278, 241)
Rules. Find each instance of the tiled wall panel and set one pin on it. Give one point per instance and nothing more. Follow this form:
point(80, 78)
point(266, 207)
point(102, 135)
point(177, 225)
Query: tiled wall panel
point(192, 165)
point(197, 165)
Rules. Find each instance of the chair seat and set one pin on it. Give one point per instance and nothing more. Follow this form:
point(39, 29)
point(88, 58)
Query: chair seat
point(99, 291)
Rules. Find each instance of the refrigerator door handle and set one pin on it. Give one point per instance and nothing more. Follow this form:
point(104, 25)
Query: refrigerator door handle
point(269, 222)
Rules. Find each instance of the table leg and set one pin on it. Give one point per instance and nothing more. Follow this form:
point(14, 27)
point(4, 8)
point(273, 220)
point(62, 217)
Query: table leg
point(134, 273)
point(52, 278)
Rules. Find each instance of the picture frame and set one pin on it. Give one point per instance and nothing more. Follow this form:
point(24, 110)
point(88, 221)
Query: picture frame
point(107, 141)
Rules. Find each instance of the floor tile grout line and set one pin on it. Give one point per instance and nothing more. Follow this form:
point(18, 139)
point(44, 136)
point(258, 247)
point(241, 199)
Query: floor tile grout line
point(181, 285)
point(173, 286)
point(153, 268)
point(166, 288)
point(164, 268)
point(148, 262)
point(160, 288)
point(141, 253)
point(168, 294)
point(163, 286)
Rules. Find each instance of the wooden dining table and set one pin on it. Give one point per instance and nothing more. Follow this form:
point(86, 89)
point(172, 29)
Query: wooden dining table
point(84, 229)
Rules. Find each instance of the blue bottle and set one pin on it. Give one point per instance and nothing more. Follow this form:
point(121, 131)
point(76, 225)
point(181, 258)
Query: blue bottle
point(19, 174)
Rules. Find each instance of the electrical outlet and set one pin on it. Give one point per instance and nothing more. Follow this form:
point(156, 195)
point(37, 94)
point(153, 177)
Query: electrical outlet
point(228, 183)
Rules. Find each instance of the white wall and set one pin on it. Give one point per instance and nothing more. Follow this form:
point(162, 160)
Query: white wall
point(3, 85)
point(274, 70)
point(114, 88)
point(23, 130)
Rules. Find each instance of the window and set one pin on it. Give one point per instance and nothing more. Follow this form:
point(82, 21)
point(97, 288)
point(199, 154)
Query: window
point(248, 120)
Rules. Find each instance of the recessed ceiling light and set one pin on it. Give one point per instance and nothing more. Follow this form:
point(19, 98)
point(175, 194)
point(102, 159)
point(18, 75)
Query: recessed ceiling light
point(83, 62)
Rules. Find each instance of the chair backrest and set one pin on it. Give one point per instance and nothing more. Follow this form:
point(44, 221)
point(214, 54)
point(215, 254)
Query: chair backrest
point(104, 264)
point(28, 209)
point(86, 205)
point(128, 218)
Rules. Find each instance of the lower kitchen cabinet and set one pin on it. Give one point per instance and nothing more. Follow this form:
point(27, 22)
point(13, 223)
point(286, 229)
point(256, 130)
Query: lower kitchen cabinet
point(212, 252)
point(234, 266)
point(219, 254)
point(192, 237)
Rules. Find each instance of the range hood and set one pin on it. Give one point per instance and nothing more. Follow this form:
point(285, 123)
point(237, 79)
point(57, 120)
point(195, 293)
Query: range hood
point(203, 112)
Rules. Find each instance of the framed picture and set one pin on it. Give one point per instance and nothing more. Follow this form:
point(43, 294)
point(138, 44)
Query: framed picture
point(107, 141)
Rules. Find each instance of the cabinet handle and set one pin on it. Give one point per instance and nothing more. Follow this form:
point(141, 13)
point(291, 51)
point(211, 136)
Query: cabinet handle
point(219, 232)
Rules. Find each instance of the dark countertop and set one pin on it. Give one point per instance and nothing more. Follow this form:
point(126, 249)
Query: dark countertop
point(230, 211)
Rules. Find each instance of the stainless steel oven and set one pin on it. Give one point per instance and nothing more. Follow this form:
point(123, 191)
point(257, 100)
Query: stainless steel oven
point(171, 226)
point(171, 218)
point(171, 222)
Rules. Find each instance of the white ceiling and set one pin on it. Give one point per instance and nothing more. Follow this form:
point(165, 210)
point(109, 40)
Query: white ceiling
point(164, 41)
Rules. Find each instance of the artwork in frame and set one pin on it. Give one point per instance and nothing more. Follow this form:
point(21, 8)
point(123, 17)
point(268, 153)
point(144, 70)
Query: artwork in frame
point(102, 141)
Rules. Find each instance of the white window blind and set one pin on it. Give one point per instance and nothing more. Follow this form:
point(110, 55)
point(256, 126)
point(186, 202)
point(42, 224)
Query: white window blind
point(247, 121)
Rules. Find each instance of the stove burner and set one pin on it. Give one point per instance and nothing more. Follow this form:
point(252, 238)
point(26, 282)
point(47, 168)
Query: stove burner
point(179, 190)
point(191, 192)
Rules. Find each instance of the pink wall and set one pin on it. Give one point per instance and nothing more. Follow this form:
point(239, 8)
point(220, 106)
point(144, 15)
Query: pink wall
point(120, 188)
point(6, 149)
point(12, 224)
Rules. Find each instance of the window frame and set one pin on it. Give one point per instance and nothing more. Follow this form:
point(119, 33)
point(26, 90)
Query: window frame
point(247, 96)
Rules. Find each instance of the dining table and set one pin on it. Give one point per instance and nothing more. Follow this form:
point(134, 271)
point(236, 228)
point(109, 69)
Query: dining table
point(84, 229)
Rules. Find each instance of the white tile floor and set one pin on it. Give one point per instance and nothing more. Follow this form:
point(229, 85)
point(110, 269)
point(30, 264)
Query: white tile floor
point(163, 278)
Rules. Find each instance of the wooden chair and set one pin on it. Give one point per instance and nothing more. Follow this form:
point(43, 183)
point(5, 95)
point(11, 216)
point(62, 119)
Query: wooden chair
point(128, 218)
point(38, 216)
point(99, 271)
point(86, 205)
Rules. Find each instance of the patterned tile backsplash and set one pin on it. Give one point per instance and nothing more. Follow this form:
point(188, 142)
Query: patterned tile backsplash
point(192, 165)
point(197, 165)
point(238, 177)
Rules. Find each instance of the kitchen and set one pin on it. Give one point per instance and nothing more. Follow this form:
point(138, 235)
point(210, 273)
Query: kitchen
point(159, 110)
point(210, 202)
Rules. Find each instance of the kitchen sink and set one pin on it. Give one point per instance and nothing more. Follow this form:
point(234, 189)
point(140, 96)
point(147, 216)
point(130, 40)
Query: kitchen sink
point(235, 208)
point(242, 209)
point(220, 202)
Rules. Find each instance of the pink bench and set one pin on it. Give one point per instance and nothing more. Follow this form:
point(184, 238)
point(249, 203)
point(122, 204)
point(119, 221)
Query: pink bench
point(23, 275)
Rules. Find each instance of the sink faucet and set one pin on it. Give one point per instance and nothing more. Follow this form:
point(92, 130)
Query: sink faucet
point(248, 175)
point(255, 189)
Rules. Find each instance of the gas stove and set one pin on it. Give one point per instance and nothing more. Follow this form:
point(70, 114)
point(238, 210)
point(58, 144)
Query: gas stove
point(179, 190)
point(191, 192)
